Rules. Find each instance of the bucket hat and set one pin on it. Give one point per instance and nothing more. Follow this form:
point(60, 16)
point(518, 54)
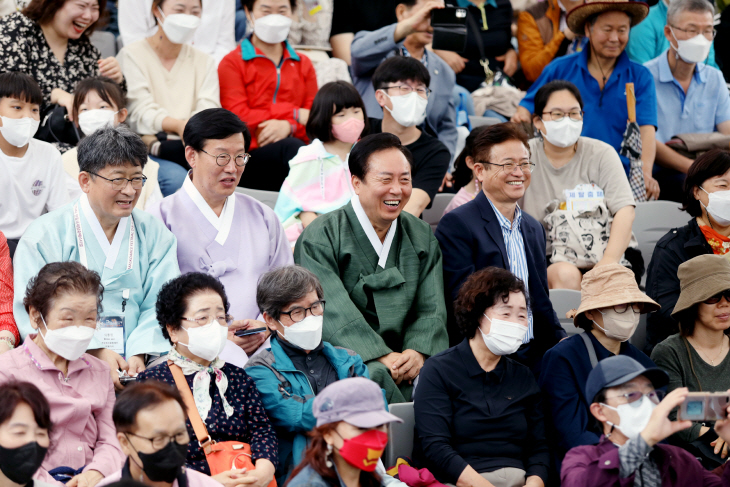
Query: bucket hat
point(609, 285)
point(357, 401)
point(578, 16)
point(701, 278)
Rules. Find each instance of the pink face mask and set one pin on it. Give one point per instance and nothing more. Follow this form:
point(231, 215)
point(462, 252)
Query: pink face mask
point(348, 131)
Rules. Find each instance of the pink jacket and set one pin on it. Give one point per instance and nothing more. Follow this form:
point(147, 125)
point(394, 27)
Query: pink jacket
point(195, 479)
point(81, 408)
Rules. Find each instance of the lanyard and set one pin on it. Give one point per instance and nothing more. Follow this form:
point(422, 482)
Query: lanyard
point(82, 244)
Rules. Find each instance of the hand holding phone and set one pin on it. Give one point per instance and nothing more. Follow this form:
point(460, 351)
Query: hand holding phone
point(704, 406)
point(252, 331)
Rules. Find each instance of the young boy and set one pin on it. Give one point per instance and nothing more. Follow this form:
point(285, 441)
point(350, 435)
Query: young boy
point(32, 180)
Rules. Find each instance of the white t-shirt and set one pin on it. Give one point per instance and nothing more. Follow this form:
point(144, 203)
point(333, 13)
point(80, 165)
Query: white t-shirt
point(215, 36)
point(30, 186)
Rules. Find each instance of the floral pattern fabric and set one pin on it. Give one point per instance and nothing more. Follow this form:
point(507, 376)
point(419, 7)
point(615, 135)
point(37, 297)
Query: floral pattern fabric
point(23, 48)
point(249, 422)
point(720, 244)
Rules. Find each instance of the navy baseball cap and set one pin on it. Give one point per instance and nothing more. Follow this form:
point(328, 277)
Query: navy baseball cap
point(614, 371)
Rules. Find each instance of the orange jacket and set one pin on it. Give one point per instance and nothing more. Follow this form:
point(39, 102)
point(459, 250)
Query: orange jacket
point(255, 89)
point(538, 37)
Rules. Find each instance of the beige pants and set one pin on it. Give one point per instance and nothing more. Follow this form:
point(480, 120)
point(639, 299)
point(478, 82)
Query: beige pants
point(504, 477)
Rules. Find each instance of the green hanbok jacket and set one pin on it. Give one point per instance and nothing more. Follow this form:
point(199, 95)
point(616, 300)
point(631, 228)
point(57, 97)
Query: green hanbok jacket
point(371, 310)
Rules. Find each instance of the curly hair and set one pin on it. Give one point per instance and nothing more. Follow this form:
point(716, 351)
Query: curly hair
point(59, 278)
point(172, 300)
point(481, 291)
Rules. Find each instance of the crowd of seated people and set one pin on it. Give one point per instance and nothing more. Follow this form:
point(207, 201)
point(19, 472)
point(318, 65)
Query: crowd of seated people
point(160, 324)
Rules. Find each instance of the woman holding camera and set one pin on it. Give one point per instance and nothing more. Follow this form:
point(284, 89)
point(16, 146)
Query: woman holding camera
point(697, 357)
point(193, 312)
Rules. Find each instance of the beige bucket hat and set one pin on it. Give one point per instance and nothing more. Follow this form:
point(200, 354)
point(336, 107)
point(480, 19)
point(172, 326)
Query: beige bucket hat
point(609, 285)
point(701, 278)
point(579, 15)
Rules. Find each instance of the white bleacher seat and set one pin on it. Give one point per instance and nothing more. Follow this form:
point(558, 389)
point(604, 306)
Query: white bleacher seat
point(653, 220)
point(105, 42)
point(433, 215)
point(400, 435)
point(563, 300)
point(479, 121)
point(266, 197)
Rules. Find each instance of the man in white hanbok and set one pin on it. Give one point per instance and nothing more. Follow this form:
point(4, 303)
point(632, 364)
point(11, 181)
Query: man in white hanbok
point(131, 250)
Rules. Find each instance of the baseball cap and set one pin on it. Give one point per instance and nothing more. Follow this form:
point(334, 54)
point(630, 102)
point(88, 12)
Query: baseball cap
point(357, 401)
point(614, 371)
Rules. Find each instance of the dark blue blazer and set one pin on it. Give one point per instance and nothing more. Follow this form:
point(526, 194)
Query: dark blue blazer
point(471, 239)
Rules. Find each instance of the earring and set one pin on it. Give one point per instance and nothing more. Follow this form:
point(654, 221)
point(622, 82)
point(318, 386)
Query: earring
point(329, 455)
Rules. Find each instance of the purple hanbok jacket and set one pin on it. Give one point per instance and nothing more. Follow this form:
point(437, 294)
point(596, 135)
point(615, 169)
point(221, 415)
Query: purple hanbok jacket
point(598, 466)
point(256, 244)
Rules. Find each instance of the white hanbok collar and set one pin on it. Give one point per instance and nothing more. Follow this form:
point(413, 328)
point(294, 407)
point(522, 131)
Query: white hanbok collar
point(111, 250)
point(222, 223)
point(381, 248)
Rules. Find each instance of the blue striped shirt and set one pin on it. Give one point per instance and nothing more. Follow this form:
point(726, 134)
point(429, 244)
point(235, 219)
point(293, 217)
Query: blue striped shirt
point(515, 246)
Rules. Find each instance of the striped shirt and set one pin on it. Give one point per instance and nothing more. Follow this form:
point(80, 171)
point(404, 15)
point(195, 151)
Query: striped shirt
point(515, 246)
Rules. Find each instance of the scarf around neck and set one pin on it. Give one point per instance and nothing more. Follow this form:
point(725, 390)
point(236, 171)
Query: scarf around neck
point(201, 382)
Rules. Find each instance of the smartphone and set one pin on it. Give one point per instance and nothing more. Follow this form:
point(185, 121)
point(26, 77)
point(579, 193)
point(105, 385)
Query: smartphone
point(449, 28)
point(704, 406)
point(126, 380)
point(252, 331)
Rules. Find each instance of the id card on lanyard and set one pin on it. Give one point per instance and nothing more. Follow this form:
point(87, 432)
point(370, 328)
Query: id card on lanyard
point(109, 329)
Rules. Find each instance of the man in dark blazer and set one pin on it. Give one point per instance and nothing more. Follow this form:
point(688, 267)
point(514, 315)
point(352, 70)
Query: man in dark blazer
point(491, 230)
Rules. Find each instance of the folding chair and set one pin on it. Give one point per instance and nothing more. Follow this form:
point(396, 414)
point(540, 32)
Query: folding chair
point(105, 42)
point(653, 220)
point(563, 300)
point(400, 435)
point(433, 215)
point(266, 197)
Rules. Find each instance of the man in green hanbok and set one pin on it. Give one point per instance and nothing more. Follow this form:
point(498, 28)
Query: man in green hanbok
point(381, 270)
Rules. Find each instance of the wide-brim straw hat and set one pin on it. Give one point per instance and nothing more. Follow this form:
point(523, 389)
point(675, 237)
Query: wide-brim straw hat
point(610, 285)
point(701, 278)
point(577, 17)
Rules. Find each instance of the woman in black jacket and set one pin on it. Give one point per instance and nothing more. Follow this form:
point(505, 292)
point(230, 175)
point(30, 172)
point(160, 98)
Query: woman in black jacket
point(706, 233)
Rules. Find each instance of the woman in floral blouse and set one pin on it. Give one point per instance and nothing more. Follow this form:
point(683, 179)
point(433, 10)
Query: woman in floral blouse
point(49, 40)
point(192, 310)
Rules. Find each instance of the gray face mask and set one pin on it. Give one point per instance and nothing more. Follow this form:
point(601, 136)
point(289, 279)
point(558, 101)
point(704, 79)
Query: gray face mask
point(619, 326)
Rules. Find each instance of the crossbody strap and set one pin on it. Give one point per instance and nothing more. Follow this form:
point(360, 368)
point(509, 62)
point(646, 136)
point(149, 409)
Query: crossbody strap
point(488, 73)
point(591, 350)
point(201, 432)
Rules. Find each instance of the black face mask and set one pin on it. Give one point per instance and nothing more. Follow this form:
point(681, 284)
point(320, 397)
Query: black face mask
point(164, 465)
point(19, 464)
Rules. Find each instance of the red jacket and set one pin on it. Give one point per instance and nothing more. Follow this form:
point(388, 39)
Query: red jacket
point(255, 89)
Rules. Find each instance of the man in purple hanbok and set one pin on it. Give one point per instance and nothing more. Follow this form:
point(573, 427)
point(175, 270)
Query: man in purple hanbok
point(229, 235)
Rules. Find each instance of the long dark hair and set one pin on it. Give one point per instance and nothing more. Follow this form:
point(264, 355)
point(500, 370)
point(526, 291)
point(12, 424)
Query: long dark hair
point(315, 456)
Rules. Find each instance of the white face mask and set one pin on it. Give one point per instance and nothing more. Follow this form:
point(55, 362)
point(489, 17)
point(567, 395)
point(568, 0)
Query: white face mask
point(504, 337)
point(633, 417)
point(272, 28)
point(179, 28)
point(408, 110)
point(619, 326)
point(719, 206)
point(69, 342)
point(693, 51)
point(19, 131)
point(563, 133)
point(206, 342)
point(307, 334)
point(92, 120)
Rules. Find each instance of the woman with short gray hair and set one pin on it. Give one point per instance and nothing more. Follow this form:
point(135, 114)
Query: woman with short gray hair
point(298, 364)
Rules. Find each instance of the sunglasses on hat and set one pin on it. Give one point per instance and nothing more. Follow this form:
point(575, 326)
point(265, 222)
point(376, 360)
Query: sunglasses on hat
point(717, 297)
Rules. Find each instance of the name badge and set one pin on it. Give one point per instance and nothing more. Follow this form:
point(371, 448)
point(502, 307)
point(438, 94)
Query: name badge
point(110, 333)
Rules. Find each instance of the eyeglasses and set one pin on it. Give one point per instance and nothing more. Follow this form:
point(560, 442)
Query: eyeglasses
point(224, 159)
point(633, 397)
point(206, 320)
point(509, 168)
point(709, 33)
point(119, 184)
point(298, 314)
point(717, 297)
point(623, 308)
point(161, 441)
point(558, 115)
point(407, 90)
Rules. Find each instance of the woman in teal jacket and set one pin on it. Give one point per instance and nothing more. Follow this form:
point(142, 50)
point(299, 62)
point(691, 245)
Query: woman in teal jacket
point(298, 364)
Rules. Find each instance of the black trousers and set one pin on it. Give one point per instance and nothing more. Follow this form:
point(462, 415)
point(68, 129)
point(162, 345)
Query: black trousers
point(12, 245)
point(269, 165)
